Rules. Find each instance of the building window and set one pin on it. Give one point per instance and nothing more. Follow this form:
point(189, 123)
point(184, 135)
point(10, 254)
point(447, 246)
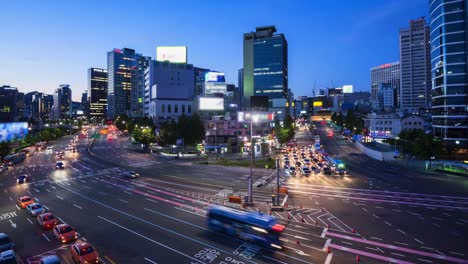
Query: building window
point(176, 108)
point(163, 108)
point(183, 108)
point(189, 109)
point(169, 108)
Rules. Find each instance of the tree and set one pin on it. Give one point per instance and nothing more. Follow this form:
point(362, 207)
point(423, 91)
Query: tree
point(4, 148)
point(265, 148)
point(168, 133)
point(144, 135)
point(45, 135)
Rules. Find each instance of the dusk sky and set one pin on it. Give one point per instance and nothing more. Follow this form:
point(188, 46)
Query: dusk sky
point(47, 43)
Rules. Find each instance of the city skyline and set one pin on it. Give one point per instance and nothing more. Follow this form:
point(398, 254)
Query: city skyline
point(67, 49)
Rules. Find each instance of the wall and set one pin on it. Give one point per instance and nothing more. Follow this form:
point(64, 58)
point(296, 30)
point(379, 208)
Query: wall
point(375, 154)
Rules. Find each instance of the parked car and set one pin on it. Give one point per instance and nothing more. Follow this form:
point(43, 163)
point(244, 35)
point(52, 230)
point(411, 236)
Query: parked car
point(5, 242)
point(8, 257)
point(50, 259)
point(327, 171)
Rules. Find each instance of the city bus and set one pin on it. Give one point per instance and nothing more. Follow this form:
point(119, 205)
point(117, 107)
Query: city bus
point(14, 158)
point(253, 227)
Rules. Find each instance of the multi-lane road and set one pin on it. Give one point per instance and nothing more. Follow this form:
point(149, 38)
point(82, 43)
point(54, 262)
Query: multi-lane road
point(160, 217)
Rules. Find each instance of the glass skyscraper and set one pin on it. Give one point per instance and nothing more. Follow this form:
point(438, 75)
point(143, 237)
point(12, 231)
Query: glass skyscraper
point(97, 88)
point(449, 60)
point(265, 63)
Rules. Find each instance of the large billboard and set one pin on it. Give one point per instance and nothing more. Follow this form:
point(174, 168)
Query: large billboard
point(211, 103)
point(347, 89)
point(174, 54)
point(215, 82)
point(255, 116)
point(12, 131)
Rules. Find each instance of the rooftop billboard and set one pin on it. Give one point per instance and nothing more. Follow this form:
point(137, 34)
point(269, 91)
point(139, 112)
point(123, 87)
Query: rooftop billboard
point(12, 131)
point(211, 103)
point(174, 54)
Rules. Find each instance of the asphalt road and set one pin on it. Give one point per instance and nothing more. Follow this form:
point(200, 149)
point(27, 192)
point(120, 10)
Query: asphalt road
point(160, 217)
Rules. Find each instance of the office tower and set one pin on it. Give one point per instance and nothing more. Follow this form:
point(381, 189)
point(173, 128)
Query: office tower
point(386, 97)
point(265, 71)
point(32, 105)
point(169, 90)
point(415, 67)
point(62, 102)
point(97, 89)
point(125, 70)
point(388, 73)
point(8, 103)
point(85, 103)
point(20, 107)
point(200, 80)
point(449, 61)
point(47, 106)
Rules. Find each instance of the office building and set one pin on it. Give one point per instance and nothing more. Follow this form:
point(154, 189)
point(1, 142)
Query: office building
point(62, 102)
point(20, 107)
point(415, 67)
point(388, 73)
point(449, 62)
point(386, 97)
point(169, 90)
point(85, 103)
point(8, 103)
point(97, 89)
point(265, 60)
point(46, 106)
point(199, 74)
point(125, 73)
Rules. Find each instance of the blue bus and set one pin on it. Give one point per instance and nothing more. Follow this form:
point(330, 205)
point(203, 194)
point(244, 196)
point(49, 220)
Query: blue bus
point(14, 158)
point(253, 227)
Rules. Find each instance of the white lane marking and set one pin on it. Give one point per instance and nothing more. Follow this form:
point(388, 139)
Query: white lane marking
point(344, 242)
point(326, 244)
point(77, 206)
point(401, 243)
point(425, 260)
point(53, 187)
point(436, 218)
point(372, 248)
point(83, 181)
point(149, 239)
point(329, 258)
point(275, 260)
point(376, 238)
point(388, 223)
point(401, 231)
point(128, 193)
point(18, 207)
point(151, 200)
point(47, 190)
point(36, 190)
point(419, 241)
point(48, 240)
point(456, 253)
point(29, 192)
point(365, 210)
point(59, 197)
point(46, 208)
point(11, 199)
point(123, 201)
point(324, 232)
point(29, 220)
point(396, 254)
point(150, 261)
point(61, 220)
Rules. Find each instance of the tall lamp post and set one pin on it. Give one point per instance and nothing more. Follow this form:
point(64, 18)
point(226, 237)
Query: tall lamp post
point(216, 150)
point(253, 119)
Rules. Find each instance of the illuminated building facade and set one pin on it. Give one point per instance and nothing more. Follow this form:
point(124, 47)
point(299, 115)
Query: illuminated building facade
point(97, 88)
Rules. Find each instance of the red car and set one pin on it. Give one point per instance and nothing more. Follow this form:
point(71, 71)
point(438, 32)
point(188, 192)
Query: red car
point(65, 233)
point(83, 252)
point(47, 220)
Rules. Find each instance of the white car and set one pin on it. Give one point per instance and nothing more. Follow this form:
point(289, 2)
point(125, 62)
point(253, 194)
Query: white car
point(35, 209)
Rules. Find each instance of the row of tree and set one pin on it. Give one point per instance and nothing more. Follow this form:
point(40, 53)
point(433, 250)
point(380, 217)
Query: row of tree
point(189, 128)
point(351, 121)
point(286, 132)
point(417, 143)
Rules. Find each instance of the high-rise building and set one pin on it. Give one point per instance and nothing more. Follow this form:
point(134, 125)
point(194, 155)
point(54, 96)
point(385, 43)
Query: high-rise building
point(200, 80)
point(20, 106)
point(8, 103)
point(47, 106)
point(169, 90)
point(388, 74)
point(265, 71)
point(62, 102)
point(415, 67)
point(97, 89)
point(33, 105)
point(125, 92)
point(449, 62)
point(85, 103)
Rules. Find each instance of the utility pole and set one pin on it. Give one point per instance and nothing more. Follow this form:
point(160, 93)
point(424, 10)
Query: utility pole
point(277, 182)
point(251, 162)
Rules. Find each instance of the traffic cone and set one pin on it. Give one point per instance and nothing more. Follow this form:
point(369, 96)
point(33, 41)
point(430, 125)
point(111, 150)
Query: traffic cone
point(316, 223)
point(358, 258)
point(328, 250)
point(302, 220)
point(289, 217)
point(354, 231)
point(298, 242)
point(328, 226)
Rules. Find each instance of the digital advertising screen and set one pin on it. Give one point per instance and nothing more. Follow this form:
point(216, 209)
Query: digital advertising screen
point(211, 103)
point(174, 54)
point(215, 82)
point(12, 131)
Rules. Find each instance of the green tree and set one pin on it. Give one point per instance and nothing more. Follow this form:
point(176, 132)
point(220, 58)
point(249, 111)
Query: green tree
point(45, 135)
point(168, 133)
point(144, 135)
point(4, 148)
point(265, 148)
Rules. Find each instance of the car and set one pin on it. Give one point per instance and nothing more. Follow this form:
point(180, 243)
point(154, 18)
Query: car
point(47, 220)
point(341, 171)
point(50, 147)
point(298, 164)
point(327, 171)
point(65, 233)
point(8, 257)
point(286, 159)
point(23, 179)
point(59, 165)
point(5, 242)
point(313, 168)
point(320, 165)
point(292, 171)
point(74, 150)
point(315, 160)
point(60, 152)
point(35, 209)
point(24, 201)
point(286, 163)
point(307, 161)
point(83, 252)
point(50, 259)
point(131, 174)
point(305, 171)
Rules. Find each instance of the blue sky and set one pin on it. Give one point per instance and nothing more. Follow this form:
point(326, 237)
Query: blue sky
point(46, 43)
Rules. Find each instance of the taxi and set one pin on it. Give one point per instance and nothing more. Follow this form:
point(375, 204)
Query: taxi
point(65, 233)
point(47, 220)
point(83, 252)
point(24, 201)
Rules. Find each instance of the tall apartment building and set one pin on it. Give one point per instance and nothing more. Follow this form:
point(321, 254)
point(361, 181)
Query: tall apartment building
point(386, 74)
point(265, 71)
point(62, 107)
point(449, 63)
point(415, 67)
point(97, 89)
point(125, 92)
point(8, 103)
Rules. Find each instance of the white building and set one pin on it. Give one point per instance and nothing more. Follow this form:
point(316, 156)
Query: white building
point(383, 125)
point(412, 122)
